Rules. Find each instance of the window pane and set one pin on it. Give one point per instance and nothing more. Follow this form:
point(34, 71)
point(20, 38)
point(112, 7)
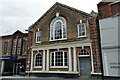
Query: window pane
point(19, 46)
point(57, 28)
point(51, 33)
point(82, 29)
point(59, 58)
point(83, 52)
point(38, 36)
point(5, 47)
point(14, 46)
point(38, 60)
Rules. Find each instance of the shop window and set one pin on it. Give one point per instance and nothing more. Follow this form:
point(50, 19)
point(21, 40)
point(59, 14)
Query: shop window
point(59, 59)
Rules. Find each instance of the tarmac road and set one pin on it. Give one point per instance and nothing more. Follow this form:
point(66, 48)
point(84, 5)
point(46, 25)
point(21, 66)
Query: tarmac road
point(44, 78)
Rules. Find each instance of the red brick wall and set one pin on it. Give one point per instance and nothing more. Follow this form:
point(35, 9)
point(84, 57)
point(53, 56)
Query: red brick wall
point(116, 8)
point(28, 55)
point(95, 46)
point(106, 10)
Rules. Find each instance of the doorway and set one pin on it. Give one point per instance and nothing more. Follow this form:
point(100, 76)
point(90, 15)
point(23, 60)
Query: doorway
point(17, 68)
point(84, 66)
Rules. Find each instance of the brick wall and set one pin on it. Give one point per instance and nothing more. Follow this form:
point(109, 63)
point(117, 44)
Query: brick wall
point(106, 9)
point(72, 19)
point(94, 34)
point(28, 55)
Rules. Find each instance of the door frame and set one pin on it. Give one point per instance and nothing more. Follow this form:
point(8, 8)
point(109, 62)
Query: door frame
point(82, 56)
point(16, 68)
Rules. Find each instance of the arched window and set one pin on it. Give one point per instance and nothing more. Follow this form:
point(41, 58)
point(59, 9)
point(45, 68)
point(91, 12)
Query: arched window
point(83, 52)
point(59, 59)
point(38, 60)
point(58, 29)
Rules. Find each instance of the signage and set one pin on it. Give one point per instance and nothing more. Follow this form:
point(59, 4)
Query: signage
point(111, 64)
point(21, 57)
point(8, 57)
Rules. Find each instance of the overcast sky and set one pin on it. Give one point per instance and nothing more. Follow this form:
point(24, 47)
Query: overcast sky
point(20, 14)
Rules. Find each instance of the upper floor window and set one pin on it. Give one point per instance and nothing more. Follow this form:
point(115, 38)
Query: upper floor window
point(38, 60)
point(5, 47)
point(59, 59)
point(19, 46)
point(58, 29)
point(81, 30)
point(24, 47)
point(14, 46)
point(38, 37)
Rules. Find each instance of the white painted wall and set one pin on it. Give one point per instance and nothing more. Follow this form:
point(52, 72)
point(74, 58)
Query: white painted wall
point(109, 31)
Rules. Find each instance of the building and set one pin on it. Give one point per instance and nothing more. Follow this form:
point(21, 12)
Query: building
point(13, 53)
point(64, 42)
point(109, 21)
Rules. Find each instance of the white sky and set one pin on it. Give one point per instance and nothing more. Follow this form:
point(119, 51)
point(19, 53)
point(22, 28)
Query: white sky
point(20, 14)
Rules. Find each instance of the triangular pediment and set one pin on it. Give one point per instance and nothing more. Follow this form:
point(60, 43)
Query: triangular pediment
point(56, 5)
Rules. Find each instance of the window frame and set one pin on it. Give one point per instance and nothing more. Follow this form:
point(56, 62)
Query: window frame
point(36, 37)
point(14, 46)
point(52, 28)
point(55, 59)
point(24, 48)
point(19, 44)
point(78, 26)
point(5, 47)
point(35, 61)
point(83, 55)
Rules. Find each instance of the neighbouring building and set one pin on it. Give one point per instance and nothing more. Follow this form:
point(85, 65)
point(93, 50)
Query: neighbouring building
point(109, 21)
point(13, 53)
point(64, 42)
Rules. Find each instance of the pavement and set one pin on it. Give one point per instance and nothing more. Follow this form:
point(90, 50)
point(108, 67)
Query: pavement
point(51, 78)
point(43, 78)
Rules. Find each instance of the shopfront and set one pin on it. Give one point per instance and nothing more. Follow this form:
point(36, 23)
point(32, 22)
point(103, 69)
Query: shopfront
point(12, 65)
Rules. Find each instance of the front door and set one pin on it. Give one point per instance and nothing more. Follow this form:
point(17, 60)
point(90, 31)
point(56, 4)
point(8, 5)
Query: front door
point(84, 66)
point(17, 68)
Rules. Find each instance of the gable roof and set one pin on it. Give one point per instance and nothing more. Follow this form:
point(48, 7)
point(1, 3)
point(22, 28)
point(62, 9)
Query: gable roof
point(18, 31)
point(62, 5)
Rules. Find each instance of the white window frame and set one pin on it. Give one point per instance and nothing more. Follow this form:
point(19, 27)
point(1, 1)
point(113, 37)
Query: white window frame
point(52, 28)
point(78, 26)
point(35, 61)
point(19, 45)
point(38, 37)
point(14, 43)
point(55, 62)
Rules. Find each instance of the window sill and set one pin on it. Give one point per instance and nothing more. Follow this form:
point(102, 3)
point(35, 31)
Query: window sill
point(59, 67)
point(81, 36)
point(37, 67)
point(38, 42)
point(58, 39)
